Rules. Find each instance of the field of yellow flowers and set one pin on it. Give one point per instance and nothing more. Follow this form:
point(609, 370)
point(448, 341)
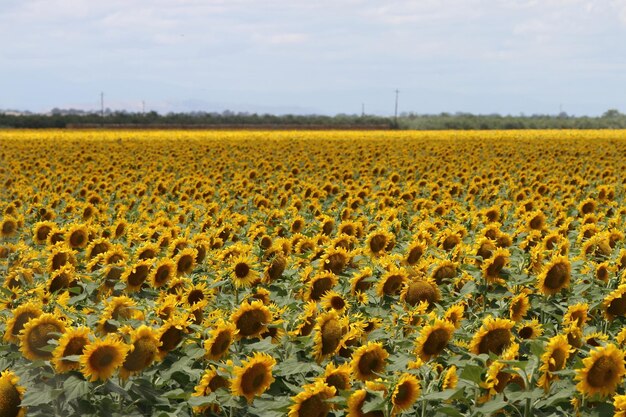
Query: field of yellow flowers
point(180, 273)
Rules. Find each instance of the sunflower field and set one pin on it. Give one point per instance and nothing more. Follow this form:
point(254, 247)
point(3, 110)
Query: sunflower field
point(312, 274)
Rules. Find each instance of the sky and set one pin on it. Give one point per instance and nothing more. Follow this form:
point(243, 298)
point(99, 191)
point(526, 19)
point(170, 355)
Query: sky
point(323, 57)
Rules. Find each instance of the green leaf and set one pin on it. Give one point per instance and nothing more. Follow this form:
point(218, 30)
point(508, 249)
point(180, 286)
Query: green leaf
point(472, 373)
point(74, 387)
point(449, 411)
point(375, 401)
point(202, 401)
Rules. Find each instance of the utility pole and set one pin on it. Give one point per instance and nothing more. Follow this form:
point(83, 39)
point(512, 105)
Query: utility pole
point(362, 109)
point(143, 107)
point(102, 104)
point(396, 111)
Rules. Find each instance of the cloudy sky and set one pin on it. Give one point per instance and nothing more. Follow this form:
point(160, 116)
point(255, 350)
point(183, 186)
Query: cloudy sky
point(328, 56)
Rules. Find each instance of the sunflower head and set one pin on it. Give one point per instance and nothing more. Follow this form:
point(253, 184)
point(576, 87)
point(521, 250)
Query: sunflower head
point(330, 329)
point(11, 395)
point(368, 361)
point(311, 401)
point(101, 358)
point(405, 393)
point(433, 339)
point(71, 343)
point(494, 336)
point(216, 346)
point(253, 377)
point(251, 319)
point(554, 276)
point(36, 335)
point(142, 351)
point(602, 372)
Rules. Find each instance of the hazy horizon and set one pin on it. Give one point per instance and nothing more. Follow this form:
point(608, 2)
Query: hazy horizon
point(278, 57)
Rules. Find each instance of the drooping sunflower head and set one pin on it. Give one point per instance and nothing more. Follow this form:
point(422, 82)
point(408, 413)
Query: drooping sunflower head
point(444, 270)
point(71, 343)
point(330, 329)
point(361, 281)
point(450, 378)
point(11, 395)
point(143, 350)
point(135, 275)
point(602, 372)
point(251, 319)
point(37, 334)
point(369, 361)
point(433, 339)
point(253, 377)
point(102, 357)
point(492, 267)
point(212, 380)
point(494, 336)
point(311, 401)
point(405, 393)
point(554, 276)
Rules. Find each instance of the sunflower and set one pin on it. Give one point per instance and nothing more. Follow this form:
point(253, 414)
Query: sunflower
point(603, 371)
point(433, 339)
point(221, 338)
point(356, 401)
point(361, 281)
point(454, 314)
point(529, 329)
point(61, 279)
point(377, 242)
point(20, 316)
point(251, 319)
point(450, 378)
point(306, 320)
point(319, 284)
point(493, 336)
point(102, 357)
point(368, 361)
point(519, 307)
point(77, 236)
point(134, 276)
point(492, 267)
point(554, 276)
point(71, 343)
point(335, 260)
point(8, 227)
point(210, 382)
point(405, 393)
point(329, 332)
point(41, 231)
point(414, 252)
point(242, 270)
point(148, 250)
point(576, 314)
point(275, 268)
point(185, 261)
point(11, 395)
point(311, 401)
point(117, 309)
point(392, 282)
point(171, 334)
point(339, 377)
point(59, 257)
point(614, 304)
point(444, 270)
point(619, 403)
point(36, 335)
point(253, 377)
point(162, 272)
point(334, 300)
point(144, 344)
point(553, 359)
point(420, 290)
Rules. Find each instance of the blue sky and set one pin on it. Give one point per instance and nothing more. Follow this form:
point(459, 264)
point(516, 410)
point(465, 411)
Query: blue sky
point(327, 57)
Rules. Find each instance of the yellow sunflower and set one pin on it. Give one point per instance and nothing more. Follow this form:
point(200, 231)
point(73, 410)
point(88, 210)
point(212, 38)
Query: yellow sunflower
point(603, 371)
point(433, 339)
point(554, 276)
point(368, 361)
point(41, 231)
point(253, 377)
point(306, 320)
point(414, 252)
point(576, 314)
point(444, 270)
point(251, 319)
point(71, 343)
point(356, 401)
point(377, 242)
point(553, 359)
point(329, 332)
point(454, 314)
point(335, 301)
point(361, 281)
point(221, 338)
point(493, 336)
point(392, 282)
point(519, 307)
point(210, 382)
point(405, 393)
point(614, 304)
point(143, 349)
point(492, 267)
point(311, 401)
point(450, 378)
point(619, 403)
point(335, 260)
point(36, 335)
point(243, 271)
point(135, 275)
point(162, 272)
point(77, 236)
point(102, 357)
point(339, 377)
point(185, 261)
point(319, 284)
point(171, 334)
point(19, 317)
point(420, 290)
point(529, 329)
point(11, 395)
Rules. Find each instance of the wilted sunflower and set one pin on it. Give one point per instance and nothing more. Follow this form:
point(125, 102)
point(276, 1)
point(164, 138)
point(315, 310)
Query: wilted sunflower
point(614, 304)
point(319, 284)
point(602, 372)
point(243, 273)
point(253, 377)
point(405, 393)
point(433, 339)
point(251, 319)
point(554, 276)
point(36, 335)
point(339, 377)
point(71, 343)
point(11, 395)
point(143, 349)
point(210, 382)
point(102, 357)
point(19, 317)
point(162, 272)
point(553, 359)
point(311, 402)
point(493, 336)
point(221, 338)
point(329, 332)
point(368, 361)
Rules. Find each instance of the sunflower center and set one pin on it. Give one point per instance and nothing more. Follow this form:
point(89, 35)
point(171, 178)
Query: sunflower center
point(331, 336)
point(414, 255)
point(170, 339)
point(335, 263)
point(141, 356)
point(337, 303)
point(436, 342)
point(195, 296)
point(20, 321)
point(496, 266)
point(602, 373)
point(222, 342)
point(320, 286)
point(43, 232)
point(77, 238)
point(558, 360)
point(337, 381)
point(536, 223)
point(75, 346)
point(138, 276)
point(241, 270)
point(39, 336)
point(495, 341)
point(217, 382)
point(451, 242)
point(102, 358)
point(617, 306)
point(525, 332)
point(184, 264)
point(8, 227)
point(556, 276)
point(444, 272)
point(378, 243)
point(58, 260)
point(313, 407)
point(393, 284)
point(419, 291)
point(9, 399)
point(251, 322)
point(370, 364)
point(162, 275)
point(253, 379)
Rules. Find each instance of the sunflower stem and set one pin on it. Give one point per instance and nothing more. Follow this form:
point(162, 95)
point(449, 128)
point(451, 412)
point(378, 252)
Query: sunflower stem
point(423, 414)
point(528, 408)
